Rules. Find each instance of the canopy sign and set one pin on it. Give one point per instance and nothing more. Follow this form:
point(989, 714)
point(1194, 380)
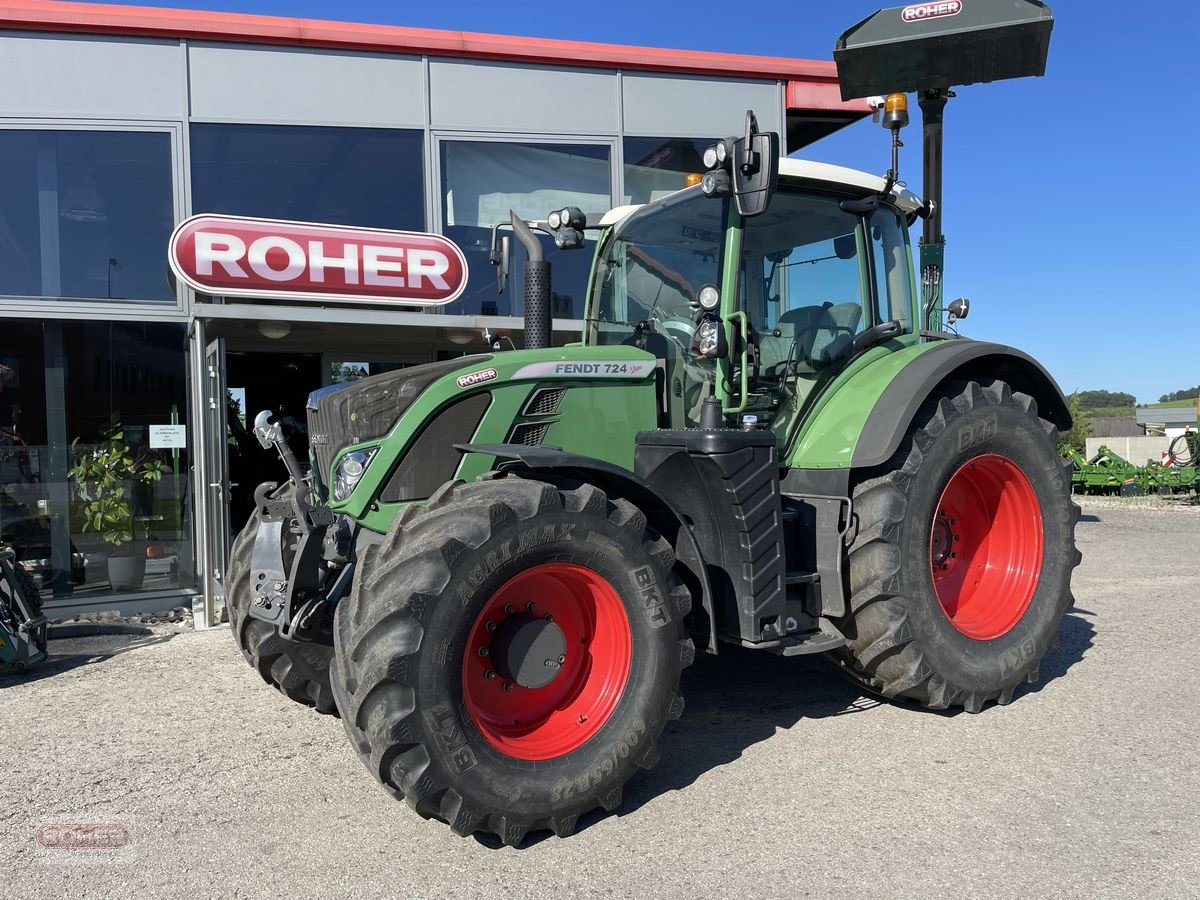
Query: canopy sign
point(234, 256)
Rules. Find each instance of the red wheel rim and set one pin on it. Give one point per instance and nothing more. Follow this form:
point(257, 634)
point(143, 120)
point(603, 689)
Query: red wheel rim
point(986, 547)
point(554, 719)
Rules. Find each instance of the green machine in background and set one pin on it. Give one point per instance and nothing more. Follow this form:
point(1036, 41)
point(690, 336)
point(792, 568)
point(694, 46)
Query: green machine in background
point(495, 568)
point(22, 625)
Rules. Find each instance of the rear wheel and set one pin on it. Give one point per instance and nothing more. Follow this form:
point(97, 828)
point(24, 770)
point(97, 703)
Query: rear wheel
point(961, 561)
point(510, 654)
point(298, 669)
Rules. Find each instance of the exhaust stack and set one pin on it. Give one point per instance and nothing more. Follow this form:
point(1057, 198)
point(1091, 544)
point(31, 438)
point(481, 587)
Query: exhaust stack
point(536, 286)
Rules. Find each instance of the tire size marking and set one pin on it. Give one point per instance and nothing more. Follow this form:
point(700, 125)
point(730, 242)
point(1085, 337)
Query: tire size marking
point(450, 738)
point(970, 436)
point(1016, 657)
point(528, 539)
point(647, 585)
point(596, 775)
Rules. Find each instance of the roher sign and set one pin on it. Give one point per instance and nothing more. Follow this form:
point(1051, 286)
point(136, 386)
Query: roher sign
point(235, 256)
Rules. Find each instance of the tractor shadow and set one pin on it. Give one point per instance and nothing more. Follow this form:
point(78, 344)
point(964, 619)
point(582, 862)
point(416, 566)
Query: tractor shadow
point(85, 650)
point(743, 697)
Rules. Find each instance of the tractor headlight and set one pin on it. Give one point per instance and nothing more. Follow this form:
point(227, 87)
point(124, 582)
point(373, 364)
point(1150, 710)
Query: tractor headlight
point(350, 472)
point(708, 338)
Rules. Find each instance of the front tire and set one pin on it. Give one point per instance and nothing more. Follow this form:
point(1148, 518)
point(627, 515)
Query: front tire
point(297, 669)
point(462, 697)
point(960, 565)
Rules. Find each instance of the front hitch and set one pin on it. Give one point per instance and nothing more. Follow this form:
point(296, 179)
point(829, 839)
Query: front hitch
point(302, 562)
point(270, 434)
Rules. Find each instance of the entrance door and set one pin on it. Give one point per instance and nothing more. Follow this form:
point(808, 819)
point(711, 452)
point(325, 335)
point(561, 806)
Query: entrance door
point(216, 472)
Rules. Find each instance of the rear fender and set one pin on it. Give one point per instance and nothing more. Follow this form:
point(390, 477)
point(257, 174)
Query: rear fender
point(860, 420)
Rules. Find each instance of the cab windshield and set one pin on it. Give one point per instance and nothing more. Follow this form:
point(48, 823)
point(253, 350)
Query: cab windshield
point(652, 267)
point(644, 295)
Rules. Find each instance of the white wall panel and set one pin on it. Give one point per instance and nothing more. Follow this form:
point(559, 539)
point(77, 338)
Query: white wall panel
point(484, 96)
point(91, 77)
point(326, 87)
point(697, 107)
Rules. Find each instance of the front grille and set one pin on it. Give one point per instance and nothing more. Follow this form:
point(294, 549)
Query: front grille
point(326, 435)
point(544, 402)
point(530, 434)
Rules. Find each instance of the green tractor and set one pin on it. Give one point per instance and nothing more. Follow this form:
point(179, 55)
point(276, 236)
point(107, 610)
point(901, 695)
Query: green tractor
point(496, 567)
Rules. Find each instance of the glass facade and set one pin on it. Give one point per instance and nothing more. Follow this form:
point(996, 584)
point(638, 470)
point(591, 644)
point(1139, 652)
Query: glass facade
point(655, 167)
point(95, 492)
point(85, 214)
point(483, 180)
point(371, 177)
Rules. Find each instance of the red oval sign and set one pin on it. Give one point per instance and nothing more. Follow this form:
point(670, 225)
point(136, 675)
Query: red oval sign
point(244, 257)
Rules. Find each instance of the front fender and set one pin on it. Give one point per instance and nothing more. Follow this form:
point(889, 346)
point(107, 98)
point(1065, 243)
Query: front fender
point(619, 482)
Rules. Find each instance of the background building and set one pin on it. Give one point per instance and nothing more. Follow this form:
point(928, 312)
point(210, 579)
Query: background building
point(117, 123)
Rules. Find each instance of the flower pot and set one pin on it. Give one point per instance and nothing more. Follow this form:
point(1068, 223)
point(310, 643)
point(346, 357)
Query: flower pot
point(126, 573)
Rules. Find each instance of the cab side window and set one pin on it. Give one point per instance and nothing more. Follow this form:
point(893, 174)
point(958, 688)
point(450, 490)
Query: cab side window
point(804, 283)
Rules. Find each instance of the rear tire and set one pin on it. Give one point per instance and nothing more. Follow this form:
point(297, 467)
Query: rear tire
point(504, 753)
point(297, 669)
point(961, 614)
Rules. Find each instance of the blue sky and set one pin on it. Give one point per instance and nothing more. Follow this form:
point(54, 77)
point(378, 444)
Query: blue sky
point(1067, 197)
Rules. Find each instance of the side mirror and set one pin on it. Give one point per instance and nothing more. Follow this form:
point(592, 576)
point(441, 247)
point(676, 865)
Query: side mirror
point(499, 256)
point(755, 169)
point(747, 167)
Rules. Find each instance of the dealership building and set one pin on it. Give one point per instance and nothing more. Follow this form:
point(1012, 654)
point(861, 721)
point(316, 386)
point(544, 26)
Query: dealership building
point(117, 123)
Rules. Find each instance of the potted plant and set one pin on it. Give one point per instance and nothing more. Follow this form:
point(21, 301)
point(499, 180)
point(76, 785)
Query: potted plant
point(106, 477)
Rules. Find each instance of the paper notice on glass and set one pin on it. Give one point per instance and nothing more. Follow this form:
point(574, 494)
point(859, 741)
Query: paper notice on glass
point(163, 437)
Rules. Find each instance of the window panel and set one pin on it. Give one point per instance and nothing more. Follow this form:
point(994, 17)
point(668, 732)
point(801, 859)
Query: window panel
point(655, 167)
point(369, 177)
point(483, 180)
point(85, 214)
point(64, 385)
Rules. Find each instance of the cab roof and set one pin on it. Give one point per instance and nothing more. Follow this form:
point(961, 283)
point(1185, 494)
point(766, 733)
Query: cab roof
point(825, 173)
point(821, 173)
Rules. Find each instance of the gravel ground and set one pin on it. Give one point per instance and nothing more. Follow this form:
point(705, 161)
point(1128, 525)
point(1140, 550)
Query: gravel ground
point(780, 780)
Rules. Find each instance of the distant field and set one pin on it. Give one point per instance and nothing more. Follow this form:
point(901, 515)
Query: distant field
point(1190, 401)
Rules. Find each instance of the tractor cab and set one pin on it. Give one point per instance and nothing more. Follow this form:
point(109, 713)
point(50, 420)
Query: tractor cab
point(757, 311)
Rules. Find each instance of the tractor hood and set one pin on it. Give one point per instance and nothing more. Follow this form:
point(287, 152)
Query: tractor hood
point(345, 414)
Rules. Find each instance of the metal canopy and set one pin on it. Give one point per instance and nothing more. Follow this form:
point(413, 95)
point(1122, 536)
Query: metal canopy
point(938, 45)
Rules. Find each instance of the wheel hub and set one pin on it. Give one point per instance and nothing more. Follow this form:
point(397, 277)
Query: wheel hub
point(985, 546)
point(528, 650)
point(547, 661)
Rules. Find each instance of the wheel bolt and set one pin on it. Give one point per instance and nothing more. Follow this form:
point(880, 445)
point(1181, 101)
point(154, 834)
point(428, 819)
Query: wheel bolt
point(508, 687)
point(483, 651)
point(509, 610)
point(491, 626)
point(489, 674)
point(548, 617)
point(561, 660)
point(530, 606)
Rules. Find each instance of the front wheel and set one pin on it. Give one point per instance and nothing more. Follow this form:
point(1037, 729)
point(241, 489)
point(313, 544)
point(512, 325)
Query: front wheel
point(510, 654)
point(298, 670)
point(960, 565)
